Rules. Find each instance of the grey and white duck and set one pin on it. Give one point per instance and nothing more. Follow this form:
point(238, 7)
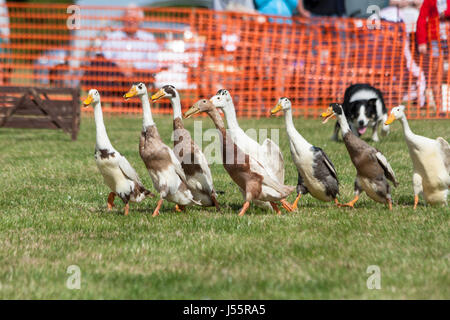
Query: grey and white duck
point(316, 172)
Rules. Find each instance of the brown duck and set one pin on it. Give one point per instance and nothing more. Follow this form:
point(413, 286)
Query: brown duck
point(163, 166)
point(372, 168)
point(192, 159)
point(249, 174)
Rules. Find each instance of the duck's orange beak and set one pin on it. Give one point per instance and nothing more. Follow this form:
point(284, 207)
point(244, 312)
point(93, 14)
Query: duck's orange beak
point(276, 109)
point(327, 115)
point(158, 95)
point(131, 93)
point(390, 119)
point(191, 111)
point(87, 101)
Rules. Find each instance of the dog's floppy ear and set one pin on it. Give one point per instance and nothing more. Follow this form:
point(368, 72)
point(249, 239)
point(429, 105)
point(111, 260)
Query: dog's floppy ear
point(372, 102)
point(353, 106)
point(371, 107)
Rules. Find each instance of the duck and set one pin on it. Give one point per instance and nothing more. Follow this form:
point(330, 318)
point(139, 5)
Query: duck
point(163, 166)
point(246, 171)
point(192, 159)
point(317, 174)
point(431, 162)
point(117, 172)
point(372, 168)
point(267, 153)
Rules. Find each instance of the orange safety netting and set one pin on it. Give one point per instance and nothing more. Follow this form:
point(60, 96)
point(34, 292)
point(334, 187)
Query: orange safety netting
point(257, 58)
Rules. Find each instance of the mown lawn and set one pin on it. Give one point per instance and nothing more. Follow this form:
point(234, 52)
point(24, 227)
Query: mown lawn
point(53, 215)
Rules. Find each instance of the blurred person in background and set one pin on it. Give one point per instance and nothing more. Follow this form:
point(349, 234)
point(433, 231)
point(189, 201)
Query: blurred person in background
point(362, 8)
point(124, 56)
point(428, 23)
point(234, 5)
point(407, 12)
point(321, 8)
point(302, 8)
point(4, 22)
point(284, 8)
point(134, 51)
point(4, 40)
point(431, 40)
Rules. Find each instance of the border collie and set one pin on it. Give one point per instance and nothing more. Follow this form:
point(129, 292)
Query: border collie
point(364, 107)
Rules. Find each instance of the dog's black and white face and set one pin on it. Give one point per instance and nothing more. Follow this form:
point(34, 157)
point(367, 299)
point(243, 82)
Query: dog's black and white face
point(362, 114)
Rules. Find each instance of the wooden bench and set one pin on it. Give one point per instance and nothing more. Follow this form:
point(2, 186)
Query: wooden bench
point(40, 108)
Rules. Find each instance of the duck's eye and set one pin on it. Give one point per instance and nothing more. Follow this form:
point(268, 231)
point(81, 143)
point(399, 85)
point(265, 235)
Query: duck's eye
point(140, 87)
point(218, 98)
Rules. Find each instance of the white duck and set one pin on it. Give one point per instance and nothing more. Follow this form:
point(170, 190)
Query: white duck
point(191, 157)
point(163, 166)
point(431, 162)
point(117, 172)
point(317, 174)
point(268, 152)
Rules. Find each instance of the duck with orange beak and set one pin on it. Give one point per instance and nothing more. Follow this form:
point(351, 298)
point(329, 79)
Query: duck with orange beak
point(431, 162)
point(247, 172)
point(268, 152)
point(163, 166)
point(316, 172)
point(117, 172)
point(372, 168)
point(191, 157)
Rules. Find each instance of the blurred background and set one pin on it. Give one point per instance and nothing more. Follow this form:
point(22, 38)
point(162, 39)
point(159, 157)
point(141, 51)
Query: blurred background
point(259, 50)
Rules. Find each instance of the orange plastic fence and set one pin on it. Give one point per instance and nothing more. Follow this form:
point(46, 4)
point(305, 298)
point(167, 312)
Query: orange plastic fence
point(257, 58)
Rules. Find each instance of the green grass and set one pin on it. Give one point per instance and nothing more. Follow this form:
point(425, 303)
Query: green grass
point(53, 214)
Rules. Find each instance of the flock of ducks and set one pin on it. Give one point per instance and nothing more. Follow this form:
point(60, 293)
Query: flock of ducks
point(182, 175)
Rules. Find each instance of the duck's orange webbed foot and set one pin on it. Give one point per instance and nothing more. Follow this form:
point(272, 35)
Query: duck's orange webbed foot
point(275, 208)
point(390, 204)
point(244, 208)
point(337, 202)
point(127, 207)
point(416, 201)
point(349, 204)
point(294, 205)
point(179, 208)
point(111, 197)
point(286, 205)
point(158, 206)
